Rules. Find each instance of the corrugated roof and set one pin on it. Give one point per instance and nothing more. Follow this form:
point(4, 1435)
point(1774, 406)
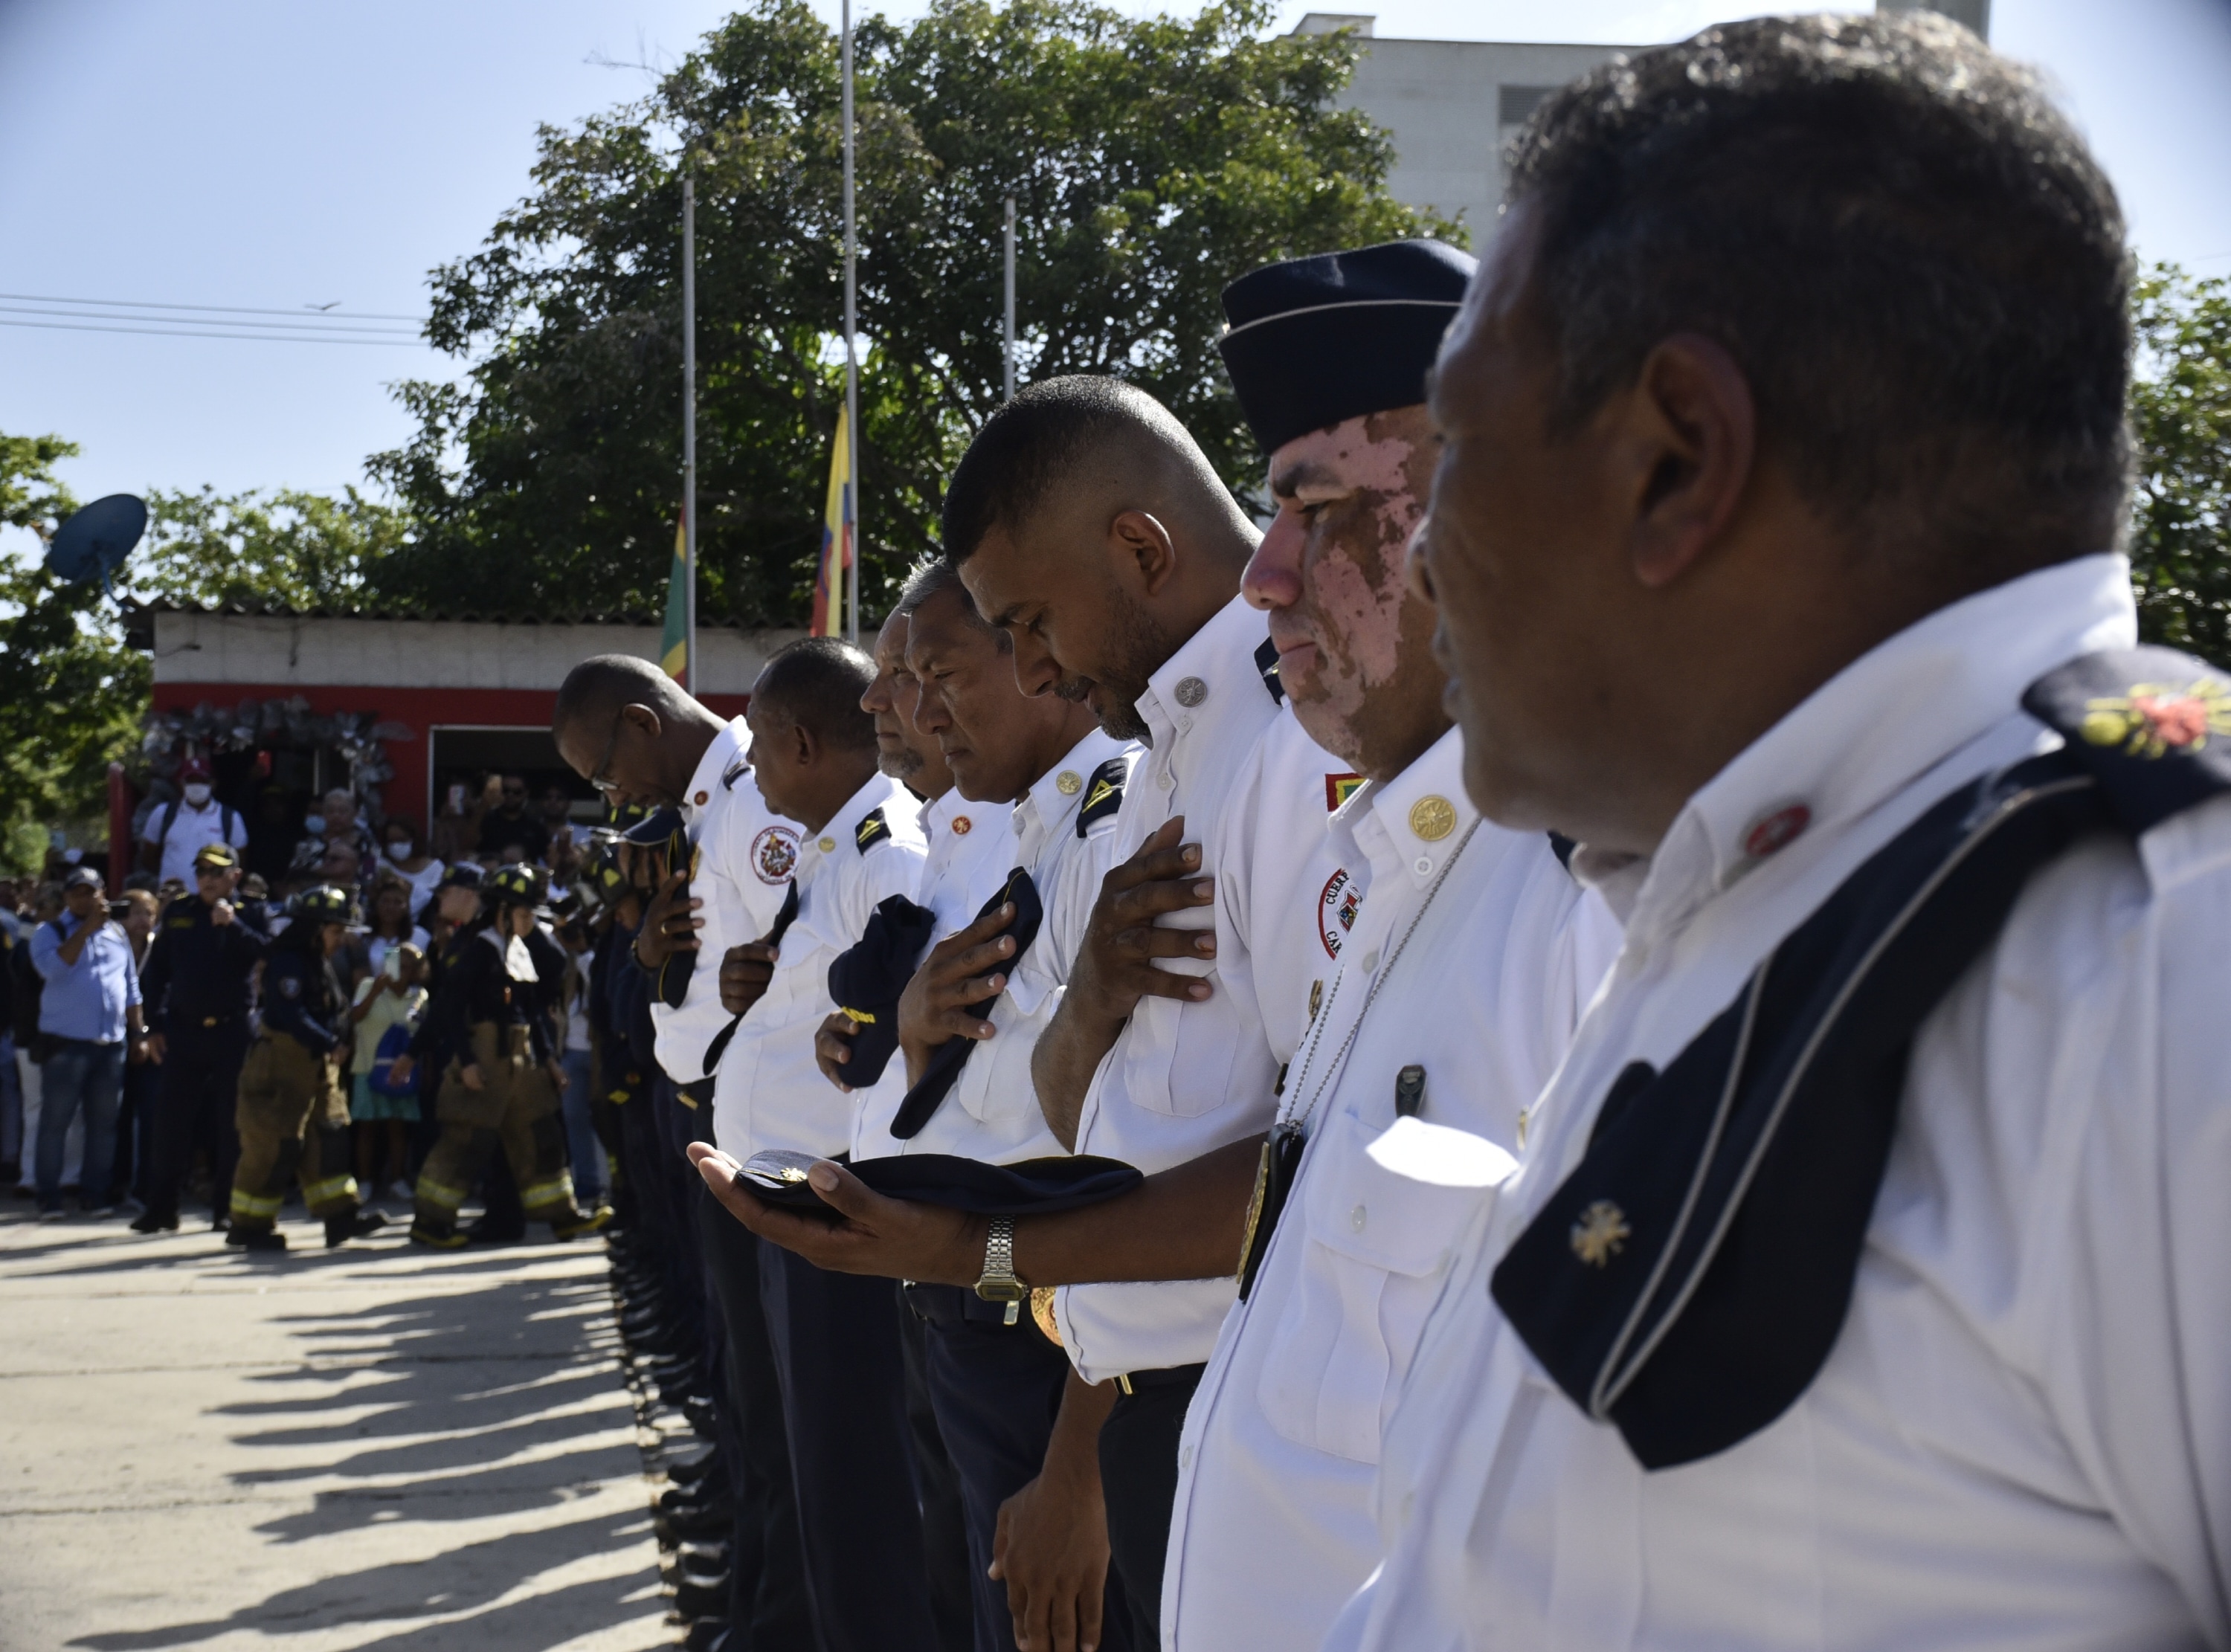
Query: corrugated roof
point(394, 610)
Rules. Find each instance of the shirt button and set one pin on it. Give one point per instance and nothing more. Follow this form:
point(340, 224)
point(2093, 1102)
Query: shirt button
point(1425, 864)
point(1370, 961)
point(1185, 1458)
point(1169, 781)
point(1357, 1217)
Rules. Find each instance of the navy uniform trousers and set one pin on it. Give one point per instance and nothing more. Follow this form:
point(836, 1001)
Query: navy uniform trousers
point(1139, 1476)
point(842, 1370)
point(996, 1389)
point(200, 1086)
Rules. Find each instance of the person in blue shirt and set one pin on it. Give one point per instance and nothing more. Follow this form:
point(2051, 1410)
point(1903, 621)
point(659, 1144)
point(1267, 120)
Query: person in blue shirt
point(292, 1117)
point(88, 1015)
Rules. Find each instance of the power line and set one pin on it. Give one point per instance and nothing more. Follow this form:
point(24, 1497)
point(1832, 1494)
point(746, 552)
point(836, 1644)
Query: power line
point(163, 333)
point(216, 309)
point(283, 329)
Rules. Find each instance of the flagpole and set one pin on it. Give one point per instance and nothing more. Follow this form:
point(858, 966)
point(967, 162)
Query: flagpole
point(1011, 301)
point(689, 432)
point(852, 335)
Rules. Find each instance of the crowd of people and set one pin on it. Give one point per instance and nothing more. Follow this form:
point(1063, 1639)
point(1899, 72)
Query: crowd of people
point(132, 1019)
point(1603, 1035)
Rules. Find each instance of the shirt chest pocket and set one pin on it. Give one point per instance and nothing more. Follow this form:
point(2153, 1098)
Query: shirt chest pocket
point(1375, 1245)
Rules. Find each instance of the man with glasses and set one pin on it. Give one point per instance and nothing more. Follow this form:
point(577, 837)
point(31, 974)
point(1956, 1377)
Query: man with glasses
point(197, 990)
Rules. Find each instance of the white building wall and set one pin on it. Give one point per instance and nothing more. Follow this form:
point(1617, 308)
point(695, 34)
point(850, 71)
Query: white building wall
point(427, 654)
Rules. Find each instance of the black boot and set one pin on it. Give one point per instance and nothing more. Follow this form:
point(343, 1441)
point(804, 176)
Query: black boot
point(353, 1224)
point(242, 1238)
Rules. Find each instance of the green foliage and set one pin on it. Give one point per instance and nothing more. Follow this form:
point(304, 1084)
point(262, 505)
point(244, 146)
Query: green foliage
point(2180, 418)
point(304, 550)
point(1152, 161)
point(71, 693)
point(30, 496)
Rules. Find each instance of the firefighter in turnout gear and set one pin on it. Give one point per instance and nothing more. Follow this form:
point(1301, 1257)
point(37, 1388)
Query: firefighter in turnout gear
point(498, 1074)
point(292, 1117)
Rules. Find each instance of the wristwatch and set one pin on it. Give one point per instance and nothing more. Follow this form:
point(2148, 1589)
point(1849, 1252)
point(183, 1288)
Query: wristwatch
point(999, 1283)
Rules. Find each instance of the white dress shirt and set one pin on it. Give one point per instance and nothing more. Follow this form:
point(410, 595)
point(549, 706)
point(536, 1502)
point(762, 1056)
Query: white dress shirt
point(971, 849)
point(992, 1112)
point(1184, 1078)
point(1286, 891)
point(2022, 1435)
point(745, 855)
point(1476, 966)
point(771, 1092)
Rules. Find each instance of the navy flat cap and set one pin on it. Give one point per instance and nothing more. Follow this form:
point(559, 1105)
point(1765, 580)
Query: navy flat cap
point(1034, 1187)
point(1312, 341)
point(867, 978)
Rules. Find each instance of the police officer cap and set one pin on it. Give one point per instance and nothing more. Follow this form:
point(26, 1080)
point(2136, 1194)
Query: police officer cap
point(1312, 341)
point(323, 905)
point(515, 885)
point(655, 829)
point(1034, 1187)
point(219, 855)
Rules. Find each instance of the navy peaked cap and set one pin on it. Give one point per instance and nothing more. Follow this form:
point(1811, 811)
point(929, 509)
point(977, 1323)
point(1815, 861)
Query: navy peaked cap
point(1034, 1187)
point(1312, 341)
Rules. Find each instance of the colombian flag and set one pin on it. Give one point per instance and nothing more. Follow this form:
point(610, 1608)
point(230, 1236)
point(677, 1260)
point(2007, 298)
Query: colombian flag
point(836, 536)
point(673, 646)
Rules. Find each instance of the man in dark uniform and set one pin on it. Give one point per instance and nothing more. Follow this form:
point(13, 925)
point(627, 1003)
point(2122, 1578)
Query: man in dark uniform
point(198, 986)
point(293, 1118)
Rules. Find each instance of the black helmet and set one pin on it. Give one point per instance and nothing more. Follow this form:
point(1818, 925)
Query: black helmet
point(323, 905)
point(515, 885)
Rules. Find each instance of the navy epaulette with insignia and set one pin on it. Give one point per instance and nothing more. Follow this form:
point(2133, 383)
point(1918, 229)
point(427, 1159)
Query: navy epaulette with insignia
point(734, 773)
point(1266, 661)
point(1103, 793)
point(1687, 1280)
point(2153, 723)
point(872, 830)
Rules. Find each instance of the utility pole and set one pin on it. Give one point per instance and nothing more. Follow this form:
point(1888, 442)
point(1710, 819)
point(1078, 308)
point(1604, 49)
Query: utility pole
point(1011, 299)
point(689, 431)
point(851, 338)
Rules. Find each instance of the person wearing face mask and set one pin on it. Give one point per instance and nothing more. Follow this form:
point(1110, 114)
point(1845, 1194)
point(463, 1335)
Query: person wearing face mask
point(405, 845)
point(176, 830)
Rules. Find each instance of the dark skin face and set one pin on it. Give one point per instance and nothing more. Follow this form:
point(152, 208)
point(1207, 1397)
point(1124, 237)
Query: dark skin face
point(998, 742)
point(1626, 605)
point(903, 751)
point(1097, 591)
point(1352, 636)
point(644, 754)
point(802, 775)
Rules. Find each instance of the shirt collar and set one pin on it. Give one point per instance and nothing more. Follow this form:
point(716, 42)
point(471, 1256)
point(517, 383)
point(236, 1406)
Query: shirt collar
point(1882, 723)
point(731, 743)
point(1058, 793)
point(1416, 819)
point(1212, 668)
point(844, 828)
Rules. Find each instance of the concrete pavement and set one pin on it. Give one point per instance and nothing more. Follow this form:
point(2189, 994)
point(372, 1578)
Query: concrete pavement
point(372, 1448)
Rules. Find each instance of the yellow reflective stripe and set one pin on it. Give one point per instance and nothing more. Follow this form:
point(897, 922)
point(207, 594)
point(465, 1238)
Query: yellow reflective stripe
point(333, 1187)
point(559, 1187)
point(249, 1204)
point(434, 1193)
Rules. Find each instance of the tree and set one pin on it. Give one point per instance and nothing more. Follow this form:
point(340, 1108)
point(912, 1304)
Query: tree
point(2180, 423)
point(304, 550)
point(1151, 162)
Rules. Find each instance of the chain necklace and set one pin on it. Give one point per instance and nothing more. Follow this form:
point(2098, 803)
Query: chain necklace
point(1281, 1152)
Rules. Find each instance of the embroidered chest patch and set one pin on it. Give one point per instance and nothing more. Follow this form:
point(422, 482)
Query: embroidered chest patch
point(774, 854)
point(1336, 907)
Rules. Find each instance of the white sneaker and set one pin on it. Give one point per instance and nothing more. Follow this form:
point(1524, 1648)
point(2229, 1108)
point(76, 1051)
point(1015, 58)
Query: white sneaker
point(101, 1212)
point(403, 1190)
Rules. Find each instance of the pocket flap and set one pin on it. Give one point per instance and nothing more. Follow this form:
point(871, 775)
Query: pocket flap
point(1401, 1210)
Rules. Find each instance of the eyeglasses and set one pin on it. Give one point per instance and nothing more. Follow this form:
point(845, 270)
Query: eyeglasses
point(604, 783)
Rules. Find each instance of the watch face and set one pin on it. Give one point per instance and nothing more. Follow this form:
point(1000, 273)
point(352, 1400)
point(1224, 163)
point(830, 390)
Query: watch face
point(1002, 1290)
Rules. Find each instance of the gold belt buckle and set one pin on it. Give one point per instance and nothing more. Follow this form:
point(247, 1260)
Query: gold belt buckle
point(209, 1021)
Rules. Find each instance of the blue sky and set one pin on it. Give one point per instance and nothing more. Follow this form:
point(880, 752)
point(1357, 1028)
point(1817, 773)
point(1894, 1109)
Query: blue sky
point(273, 155)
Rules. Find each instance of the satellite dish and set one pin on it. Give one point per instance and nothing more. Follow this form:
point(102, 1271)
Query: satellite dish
point(94, 543)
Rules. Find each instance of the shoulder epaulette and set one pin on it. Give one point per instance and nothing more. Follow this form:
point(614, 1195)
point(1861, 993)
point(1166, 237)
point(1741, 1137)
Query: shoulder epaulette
point(734, 773)
point(1103, 793)
point(872, 830)
point(2153, 726)
point(1266, 661)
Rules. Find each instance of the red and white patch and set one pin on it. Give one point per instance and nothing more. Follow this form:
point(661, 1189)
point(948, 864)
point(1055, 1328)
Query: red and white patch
point(1337, 905)
point(962, 826)
point(774, 854)
point(1772, 833)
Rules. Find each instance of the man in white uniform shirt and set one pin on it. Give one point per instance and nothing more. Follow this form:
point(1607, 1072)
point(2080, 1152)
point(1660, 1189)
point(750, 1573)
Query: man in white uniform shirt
point(835, 1337)
point(1783, 440)
point(633, 733)
point(1042, 772)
